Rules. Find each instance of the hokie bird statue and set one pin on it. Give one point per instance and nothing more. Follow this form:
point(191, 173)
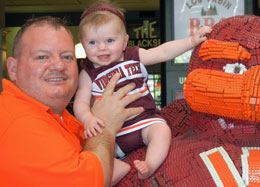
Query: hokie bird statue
point(216, 135)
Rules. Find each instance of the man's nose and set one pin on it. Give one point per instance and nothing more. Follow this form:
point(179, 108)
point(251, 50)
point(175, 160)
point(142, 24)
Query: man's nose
point(57, 64)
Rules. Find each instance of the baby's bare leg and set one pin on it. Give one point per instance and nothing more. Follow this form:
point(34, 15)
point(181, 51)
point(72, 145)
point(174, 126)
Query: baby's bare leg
point(120, 170)
point(157, 137)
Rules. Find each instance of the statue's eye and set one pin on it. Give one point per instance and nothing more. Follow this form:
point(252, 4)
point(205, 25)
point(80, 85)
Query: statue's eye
point(236, 68)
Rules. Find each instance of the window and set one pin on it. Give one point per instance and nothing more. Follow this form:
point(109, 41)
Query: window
point(154, 84)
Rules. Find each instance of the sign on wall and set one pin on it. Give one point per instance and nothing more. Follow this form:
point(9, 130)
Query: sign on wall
point(144, 33)
point(189, 15)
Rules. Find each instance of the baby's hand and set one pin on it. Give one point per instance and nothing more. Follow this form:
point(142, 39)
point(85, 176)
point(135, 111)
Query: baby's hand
point(93, 126)
point(199, 36)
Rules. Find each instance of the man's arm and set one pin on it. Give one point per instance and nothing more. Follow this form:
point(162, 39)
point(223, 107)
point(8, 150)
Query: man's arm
point(111, 109)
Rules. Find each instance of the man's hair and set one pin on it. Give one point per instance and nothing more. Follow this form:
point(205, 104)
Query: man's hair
point(55, 22)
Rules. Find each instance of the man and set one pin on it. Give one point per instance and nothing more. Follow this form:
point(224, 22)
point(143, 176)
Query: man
point(40, 142)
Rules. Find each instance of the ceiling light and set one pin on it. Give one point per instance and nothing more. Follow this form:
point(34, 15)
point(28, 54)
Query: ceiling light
point(79, 51)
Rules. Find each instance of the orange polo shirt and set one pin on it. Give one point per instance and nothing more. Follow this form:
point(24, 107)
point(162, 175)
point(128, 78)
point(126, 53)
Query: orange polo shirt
point(38, 149)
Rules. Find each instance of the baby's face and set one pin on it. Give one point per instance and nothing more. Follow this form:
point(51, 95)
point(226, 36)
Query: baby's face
point(104, 44)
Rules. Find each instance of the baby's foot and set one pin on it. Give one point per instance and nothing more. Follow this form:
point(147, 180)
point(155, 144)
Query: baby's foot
point(143, 169)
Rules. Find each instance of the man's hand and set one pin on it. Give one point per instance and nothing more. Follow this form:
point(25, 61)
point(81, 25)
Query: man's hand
point(111, 107)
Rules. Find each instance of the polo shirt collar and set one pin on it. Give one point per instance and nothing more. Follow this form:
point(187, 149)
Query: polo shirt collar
point(12, 89)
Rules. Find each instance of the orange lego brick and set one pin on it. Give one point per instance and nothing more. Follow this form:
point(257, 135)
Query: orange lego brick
point(237, 93)
point(222, 169)
point(220, 49)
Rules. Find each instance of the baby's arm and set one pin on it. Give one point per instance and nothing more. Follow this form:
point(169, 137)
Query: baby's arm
point(81, 106)
point(169, 50)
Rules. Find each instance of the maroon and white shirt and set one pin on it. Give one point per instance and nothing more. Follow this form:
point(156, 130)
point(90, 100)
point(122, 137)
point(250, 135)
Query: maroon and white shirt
point(131, 70)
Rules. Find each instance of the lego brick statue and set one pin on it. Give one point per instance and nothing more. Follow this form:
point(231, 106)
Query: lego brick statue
point(216, 135)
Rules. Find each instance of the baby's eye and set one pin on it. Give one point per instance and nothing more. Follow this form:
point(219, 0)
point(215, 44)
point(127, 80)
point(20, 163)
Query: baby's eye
point(110, 40)
point(92, 42)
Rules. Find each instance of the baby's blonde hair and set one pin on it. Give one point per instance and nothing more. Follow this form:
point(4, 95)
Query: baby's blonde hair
point(101, 13)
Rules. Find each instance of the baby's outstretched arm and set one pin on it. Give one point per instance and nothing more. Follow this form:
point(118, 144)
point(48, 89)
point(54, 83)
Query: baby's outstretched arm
point(169, 50)
point(81, 107)
point(199, 36)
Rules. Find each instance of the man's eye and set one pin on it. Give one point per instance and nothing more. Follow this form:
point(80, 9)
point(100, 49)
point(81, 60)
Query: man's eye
point(41, 57)
point(92, 42)
point(67, 57)
point(110, 40)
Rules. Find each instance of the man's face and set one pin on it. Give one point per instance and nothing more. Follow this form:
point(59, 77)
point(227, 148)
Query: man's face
point(46, 68)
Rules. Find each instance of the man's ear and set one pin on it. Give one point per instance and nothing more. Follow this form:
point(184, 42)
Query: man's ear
point(11, 64)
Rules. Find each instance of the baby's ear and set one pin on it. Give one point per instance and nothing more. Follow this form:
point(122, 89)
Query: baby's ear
point(126, 40)
point(11, 64)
